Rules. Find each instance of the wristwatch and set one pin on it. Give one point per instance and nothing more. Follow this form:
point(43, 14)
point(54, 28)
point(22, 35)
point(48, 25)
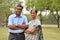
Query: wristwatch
point(16, 25)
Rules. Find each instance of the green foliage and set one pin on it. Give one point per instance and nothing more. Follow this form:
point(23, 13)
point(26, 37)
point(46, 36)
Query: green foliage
point(49, 19)
point(52, 5)
point(44, 4)
point(5, 6)
point(55, 5)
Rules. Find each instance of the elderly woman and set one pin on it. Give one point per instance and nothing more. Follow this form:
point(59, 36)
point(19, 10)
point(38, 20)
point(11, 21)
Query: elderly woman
point(34, 32)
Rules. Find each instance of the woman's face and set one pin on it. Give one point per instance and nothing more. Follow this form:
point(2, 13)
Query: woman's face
point(33, 14)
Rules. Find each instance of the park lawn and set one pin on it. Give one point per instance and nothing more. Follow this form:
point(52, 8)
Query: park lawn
point(3, 33)
point(49, 33)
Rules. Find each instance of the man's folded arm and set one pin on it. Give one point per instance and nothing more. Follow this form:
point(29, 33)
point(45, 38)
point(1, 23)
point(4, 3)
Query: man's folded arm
point(13, 27)
point(23, 26)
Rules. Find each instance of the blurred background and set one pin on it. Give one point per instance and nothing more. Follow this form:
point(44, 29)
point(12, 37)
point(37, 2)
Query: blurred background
point(48, 13)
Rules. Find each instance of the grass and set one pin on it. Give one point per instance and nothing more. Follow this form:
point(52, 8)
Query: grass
point(50, 32)
point(3, 33)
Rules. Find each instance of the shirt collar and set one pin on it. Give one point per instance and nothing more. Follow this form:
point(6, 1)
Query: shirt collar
point(16, 16)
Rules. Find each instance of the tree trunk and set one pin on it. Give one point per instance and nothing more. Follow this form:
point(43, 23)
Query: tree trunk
point(40, 16)
point(57, 19)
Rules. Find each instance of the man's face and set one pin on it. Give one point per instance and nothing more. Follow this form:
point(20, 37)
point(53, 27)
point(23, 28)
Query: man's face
point(18, 10)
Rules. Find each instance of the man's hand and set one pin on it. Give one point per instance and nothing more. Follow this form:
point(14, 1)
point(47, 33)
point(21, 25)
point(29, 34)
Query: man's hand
point(14, 27)
point(23, 26)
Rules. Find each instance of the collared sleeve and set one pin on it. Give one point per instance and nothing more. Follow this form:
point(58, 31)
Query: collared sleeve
point(10, 21)
point(26, 20)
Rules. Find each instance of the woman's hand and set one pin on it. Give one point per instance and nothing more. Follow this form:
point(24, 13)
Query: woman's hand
point(33, 30)
point(27, 31)
point(30, 31)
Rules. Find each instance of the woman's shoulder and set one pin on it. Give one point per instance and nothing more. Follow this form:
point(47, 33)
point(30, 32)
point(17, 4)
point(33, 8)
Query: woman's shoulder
point(38, 22)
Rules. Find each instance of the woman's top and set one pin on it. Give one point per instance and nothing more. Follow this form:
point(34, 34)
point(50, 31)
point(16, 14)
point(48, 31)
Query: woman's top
point(38, 34)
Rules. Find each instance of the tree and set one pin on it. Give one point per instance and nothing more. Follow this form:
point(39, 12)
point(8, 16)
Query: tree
point(52, 5)
point(55, 6)
point(5, 6)
point(39, 5)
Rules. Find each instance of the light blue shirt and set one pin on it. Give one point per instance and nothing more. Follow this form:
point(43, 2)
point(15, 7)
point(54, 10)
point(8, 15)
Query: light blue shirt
point(13, 19)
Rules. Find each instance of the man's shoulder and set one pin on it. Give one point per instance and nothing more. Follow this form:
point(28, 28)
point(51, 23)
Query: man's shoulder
point(24, 16)
point(12, 15)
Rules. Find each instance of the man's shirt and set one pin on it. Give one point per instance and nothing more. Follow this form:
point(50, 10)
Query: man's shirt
point(13, 19)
